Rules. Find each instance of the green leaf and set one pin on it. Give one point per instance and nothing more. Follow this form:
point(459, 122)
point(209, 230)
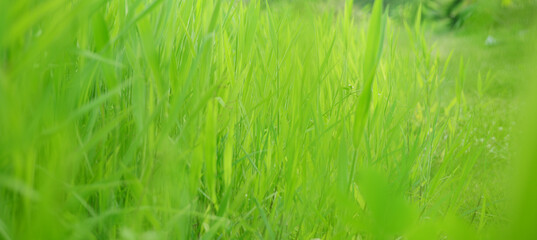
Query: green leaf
point(374, 44)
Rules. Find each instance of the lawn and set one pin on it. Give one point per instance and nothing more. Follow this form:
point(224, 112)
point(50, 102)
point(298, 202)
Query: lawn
point(217, 119)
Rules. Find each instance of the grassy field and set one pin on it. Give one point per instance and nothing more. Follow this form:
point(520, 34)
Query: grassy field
point(213, 119)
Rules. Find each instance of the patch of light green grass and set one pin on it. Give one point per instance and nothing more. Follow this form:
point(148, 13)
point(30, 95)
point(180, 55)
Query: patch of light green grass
point(229, 119)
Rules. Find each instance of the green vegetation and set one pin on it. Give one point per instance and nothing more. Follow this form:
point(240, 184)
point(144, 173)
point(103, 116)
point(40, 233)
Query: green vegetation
point(221, 119)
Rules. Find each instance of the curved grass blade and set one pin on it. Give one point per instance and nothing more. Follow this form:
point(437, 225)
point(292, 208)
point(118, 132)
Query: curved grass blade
point(375, 38)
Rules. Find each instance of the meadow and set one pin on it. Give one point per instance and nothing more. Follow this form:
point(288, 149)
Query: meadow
point(216, 119)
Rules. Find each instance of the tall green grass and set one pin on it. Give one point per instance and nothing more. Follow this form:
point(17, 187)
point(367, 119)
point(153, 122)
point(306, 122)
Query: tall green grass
point(228, 119)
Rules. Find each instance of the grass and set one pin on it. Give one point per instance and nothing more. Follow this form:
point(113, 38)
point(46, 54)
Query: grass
point(241, 120)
